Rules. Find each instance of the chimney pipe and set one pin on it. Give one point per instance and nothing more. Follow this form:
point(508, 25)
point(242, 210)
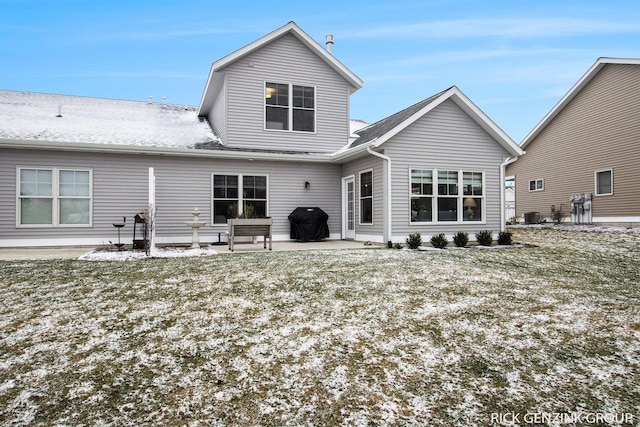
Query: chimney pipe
point(329, 41)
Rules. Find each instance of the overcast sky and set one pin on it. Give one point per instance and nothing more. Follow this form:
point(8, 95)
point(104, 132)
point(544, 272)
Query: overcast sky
point(514, 59)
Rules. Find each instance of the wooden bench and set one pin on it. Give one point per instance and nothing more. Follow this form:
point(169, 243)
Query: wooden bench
point(249, 227)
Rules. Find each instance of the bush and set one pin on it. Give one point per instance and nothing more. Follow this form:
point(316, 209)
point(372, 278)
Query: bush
point(484, 238)
point(439, 241)
point(461, 239)
point(414, 241)
point(397, 245)
point(504, 238)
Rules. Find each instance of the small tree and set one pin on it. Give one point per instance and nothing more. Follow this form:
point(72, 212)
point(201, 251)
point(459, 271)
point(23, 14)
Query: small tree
point(461, 239)
point(439, 241)
point(414, 241)
point(504, 238)
point(484, 238)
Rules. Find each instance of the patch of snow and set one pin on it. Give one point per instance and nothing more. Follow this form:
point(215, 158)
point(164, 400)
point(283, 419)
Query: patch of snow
point(98, 255)
point(74, 119)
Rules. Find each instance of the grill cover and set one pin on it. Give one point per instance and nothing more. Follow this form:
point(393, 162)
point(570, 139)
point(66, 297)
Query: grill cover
point(309, 224)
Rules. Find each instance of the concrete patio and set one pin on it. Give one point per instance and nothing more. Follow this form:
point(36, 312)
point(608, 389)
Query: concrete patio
point(72, 252)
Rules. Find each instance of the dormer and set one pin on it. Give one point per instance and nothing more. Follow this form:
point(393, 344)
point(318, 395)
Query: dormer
point(284, 91)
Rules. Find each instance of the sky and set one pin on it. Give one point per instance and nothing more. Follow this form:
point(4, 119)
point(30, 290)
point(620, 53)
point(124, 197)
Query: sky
point(514, 59)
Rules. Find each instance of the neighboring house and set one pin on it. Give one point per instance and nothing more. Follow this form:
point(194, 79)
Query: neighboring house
point(586, 145)
point(509, 203)
point(272, 133)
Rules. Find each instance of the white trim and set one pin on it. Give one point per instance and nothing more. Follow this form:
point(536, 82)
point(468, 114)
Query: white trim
point(595, 182)
point(620, 219)
point(360, 237)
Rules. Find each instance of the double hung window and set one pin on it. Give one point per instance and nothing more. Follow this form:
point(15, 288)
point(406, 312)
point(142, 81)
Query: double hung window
point(447, 202)
point(446, 195)
point(421, 195)
point(366, 197)
point(235, 195)
point(289, 107)
point(54, 197)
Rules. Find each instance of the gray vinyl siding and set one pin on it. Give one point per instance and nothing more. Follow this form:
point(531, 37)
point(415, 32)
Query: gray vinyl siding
point(362, 165)
point(599, 129)
point(218, 116)
point(120, 188)
point(446, 139)
point(285, 60)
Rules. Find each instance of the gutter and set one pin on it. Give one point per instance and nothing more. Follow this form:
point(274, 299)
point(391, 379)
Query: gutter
point(503, 166)
point(386, 233)
point(166, 151)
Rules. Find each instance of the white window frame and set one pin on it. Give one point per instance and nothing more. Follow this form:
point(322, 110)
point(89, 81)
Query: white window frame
point(240, 198)
point(422, 196)
point(596, 182)
point(360, 197)
point(536, 182)
point(55, 197)
point(290, 108)
point(460, 197)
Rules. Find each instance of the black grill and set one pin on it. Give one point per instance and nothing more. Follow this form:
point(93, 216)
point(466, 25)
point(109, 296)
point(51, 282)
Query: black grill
point(308, 224)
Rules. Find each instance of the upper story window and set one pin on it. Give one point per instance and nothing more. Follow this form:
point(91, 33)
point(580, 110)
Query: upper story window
point(290, 107)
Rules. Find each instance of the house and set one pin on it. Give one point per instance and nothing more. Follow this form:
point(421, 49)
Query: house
point(583, 158)
point(272, 133)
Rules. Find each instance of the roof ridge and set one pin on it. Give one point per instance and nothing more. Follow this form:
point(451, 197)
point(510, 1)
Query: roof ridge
point(98, 98)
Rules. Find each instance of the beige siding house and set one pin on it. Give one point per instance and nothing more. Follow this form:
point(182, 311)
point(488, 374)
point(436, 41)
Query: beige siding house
point(587, 145)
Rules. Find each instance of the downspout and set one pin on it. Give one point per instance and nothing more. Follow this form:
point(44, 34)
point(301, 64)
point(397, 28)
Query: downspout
point(503, 166)
point(386, 233)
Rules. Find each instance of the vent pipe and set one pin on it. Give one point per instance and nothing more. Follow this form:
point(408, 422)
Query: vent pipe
point(329, 41)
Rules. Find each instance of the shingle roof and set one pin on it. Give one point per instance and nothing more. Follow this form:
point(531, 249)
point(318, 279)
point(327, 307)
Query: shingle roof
point(29, 116)
point(381, 127)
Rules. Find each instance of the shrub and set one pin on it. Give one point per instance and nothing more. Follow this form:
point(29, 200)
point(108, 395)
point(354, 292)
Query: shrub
point(484, 238)
point(397, 245)
point(461, 239)
point(439, 240)
point(504, 238)
point(414, 241)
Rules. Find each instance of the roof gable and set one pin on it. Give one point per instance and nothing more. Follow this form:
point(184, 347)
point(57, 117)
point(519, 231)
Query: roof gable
point(213, 81)
point(569, 96)
point(380, 132)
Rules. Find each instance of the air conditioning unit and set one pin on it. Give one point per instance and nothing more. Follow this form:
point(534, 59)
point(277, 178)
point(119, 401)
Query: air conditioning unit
point(532, 217)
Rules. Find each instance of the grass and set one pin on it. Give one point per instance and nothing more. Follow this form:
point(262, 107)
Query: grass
point(375, 337)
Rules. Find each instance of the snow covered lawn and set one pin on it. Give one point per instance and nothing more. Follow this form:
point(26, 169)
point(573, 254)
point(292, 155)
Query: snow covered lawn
point(358, 337)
